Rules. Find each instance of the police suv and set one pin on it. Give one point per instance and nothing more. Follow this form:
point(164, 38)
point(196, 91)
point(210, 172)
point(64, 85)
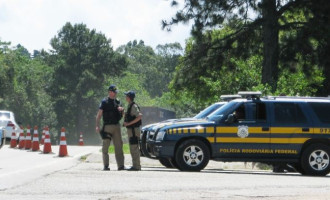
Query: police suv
point(276, 130)
point(148, 130)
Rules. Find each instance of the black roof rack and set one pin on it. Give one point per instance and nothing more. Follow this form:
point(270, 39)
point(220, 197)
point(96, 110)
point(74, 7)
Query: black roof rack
point(250, 94)
point(296, 97)
point(229, 97)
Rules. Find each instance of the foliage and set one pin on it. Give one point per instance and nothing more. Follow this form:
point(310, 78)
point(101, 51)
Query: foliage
point(23, 84)
point(255, 29)
point(226, 54)
point(125, 149)
point(154, 68)
point(82, 60)
point(129, 81)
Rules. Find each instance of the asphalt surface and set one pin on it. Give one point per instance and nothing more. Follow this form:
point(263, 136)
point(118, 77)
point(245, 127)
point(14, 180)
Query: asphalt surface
point(73, 178)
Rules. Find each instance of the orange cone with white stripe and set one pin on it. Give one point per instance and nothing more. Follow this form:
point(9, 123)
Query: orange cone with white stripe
point(35, 141)
point(21, 143)
point(63, 149)
point(81, 140)
point(43, 136)
point(28, 138)
point(47, 143)
point(13, 140)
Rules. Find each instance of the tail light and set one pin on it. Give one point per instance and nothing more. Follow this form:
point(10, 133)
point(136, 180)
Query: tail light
point(10, 123)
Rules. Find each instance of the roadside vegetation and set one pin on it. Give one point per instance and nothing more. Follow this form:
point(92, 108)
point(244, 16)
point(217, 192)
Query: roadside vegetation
point(63, 86)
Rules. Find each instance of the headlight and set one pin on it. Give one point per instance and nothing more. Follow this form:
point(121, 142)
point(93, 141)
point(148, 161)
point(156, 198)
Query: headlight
point(150, 134)
point(160, 135)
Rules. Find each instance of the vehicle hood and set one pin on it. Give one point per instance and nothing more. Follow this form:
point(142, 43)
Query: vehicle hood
point(183, 124)
point(169, 121)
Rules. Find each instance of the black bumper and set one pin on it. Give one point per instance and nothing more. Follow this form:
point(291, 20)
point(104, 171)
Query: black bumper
point(162, 149)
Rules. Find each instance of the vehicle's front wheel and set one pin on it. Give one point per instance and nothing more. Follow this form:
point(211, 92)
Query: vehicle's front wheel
point(315, 160)
point(192, 155)
point(166, 162)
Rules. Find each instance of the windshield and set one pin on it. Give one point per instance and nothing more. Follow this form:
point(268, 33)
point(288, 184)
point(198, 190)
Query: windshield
point(4, 115)
point(204, 113)
point(218, 114)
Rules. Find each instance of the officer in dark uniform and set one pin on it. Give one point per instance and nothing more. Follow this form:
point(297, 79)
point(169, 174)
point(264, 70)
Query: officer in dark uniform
point(133, 123)
point(111, 111)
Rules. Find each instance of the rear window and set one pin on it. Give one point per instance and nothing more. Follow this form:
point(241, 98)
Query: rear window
point(288, 113)
point(322, 110)
point(4, 115)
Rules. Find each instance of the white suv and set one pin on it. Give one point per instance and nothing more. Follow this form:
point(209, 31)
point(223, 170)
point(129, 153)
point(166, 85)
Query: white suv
point(7, 121)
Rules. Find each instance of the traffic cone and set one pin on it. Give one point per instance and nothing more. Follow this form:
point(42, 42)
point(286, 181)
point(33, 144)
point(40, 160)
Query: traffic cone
point(13, 140)
point(28, 138)
point(63, 149)
point(35, 142)
point(21, 143)
point(47, 143)
point(43, 136)
point(81, 140)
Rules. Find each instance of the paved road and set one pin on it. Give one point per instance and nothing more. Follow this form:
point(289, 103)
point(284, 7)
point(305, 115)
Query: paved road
point(18, 167)
point(86, 180)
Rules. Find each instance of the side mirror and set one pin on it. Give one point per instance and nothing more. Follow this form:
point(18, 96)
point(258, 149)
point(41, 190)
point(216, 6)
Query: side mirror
point(230, 118)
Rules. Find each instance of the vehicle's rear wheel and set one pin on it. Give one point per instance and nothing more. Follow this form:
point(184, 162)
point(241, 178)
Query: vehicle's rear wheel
point(192, 155)
point(165, 162)
point(315, 160)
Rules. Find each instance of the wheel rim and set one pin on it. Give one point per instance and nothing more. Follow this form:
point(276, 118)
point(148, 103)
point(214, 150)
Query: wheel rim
point(319, 160)
point(193, 156)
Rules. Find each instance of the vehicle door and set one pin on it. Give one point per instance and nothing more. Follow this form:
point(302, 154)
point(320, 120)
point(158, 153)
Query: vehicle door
point(248, 134)
point(290, 128)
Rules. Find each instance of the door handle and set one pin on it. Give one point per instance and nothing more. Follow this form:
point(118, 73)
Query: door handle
point(265, 128)
point(305, 129)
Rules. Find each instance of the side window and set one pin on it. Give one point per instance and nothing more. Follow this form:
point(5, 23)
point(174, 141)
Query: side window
point(322, 110)
point(252, 112)
point(288, 113)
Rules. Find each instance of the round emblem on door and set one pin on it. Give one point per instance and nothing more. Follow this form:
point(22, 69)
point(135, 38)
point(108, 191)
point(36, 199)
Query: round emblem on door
point(243, 131)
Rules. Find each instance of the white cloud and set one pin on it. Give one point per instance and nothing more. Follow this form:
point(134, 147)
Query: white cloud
point(33, 23)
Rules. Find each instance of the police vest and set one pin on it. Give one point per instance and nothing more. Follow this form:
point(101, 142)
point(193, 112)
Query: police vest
point(129, 117)
point(111, 115)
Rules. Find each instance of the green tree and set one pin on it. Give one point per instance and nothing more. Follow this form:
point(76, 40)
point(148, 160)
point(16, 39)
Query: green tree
point(155, 68)
point(83, 59)
point(264, 19)
point(236, 74)
point(23, 84)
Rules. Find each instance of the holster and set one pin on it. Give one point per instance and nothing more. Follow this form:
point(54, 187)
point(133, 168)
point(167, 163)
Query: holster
point(104, 135)
point(133, 139)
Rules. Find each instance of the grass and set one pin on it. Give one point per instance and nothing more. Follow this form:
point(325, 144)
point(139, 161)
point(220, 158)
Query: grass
point(125, 148)
point(83, 158)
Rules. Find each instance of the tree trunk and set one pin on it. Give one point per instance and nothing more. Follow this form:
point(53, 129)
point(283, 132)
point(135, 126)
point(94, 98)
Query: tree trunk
point(270, 43)
point(79, 117)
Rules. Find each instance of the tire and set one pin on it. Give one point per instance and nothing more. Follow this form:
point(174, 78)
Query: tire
point(166, 162)
point(192, 155)
point(174, 164)
point(315, 160)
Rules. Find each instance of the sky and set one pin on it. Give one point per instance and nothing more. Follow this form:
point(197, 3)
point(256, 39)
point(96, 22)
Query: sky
point(32, 23)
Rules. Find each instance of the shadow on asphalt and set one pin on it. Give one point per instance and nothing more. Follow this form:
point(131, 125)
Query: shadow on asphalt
point(222, 171)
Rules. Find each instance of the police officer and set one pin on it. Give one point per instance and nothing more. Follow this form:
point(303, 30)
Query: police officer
point(111, 111)
point(133, 124)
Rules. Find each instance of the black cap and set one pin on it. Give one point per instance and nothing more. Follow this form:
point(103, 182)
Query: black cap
point(130, 94)
point(113, 88)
